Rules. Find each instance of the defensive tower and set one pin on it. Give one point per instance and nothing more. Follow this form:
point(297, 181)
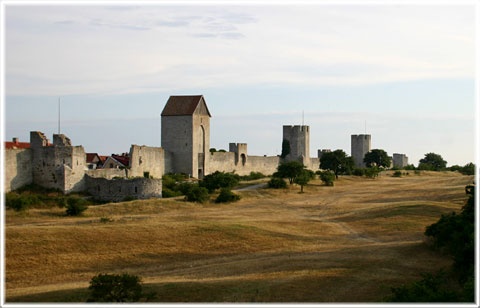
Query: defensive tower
point(299, 138)
point(361, 145)
point(186, 134)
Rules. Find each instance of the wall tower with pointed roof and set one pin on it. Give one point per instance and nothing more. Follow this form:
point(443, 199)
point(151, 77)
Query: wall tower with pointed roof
point(186, 134)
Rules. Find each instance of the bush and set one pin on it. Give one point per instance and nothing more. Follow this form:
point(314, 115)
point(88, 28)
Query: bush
point(197, 194)
point(277, 183)
point(226, 195)
point(409, 167)
point(327, 178)
point(253, 176)
point(168, 193)
point(468, 169)
point(76, 206)
point(219, 180)
point(359, 171)
point(397, 174)
point(128, 198)
point(20, 202)
point(115, 288)
point(372, 172)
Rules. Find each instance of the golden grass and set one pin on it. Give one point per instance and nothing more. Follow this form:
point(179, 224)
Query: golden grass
point(345, 243)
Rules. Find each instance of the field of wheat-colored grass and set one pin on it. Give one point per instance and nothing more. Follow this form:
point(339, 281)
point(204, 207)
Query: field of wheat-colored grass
point(347, 243)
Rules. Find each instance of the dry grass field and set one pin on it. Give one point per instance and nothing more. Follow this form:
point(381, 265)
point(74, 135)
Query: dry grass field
point(347, 243)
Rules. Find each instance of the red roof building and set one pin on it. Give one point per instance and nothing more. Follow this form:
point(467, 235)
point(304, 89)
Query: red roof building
point(15, 144)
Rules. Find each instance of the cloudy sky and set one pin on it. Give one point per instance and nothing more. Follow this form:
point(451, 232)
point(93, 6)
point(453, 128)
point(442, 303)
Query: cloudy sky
point(408, 71)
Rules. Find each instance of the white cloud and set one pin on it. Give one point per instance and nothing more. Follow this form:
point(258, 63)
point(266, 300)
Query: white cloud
point(62, 50)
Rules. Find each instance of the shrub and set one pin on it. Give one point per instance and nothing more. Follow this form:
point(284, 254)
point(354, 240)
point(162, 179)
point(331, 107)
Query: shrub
point(76, 206)
point(327, 178)
point(20, 202)
point(115, 288)
point(397, 174)
point(417, 172)
point(372, 172)
point(409, 167)
point(106, 219)
point(252, 176)
point(128, 198)
point(226, 195)
point(197, 194)
point(277, 183)
point(468, 169)
point(168, 193)
point(359, 171)
point(218, 180)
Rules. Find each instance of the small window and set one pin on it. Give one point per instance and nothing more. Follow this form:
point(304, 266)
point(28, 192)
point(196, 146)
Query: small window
point(120, 189)
point(98, 187)
point(111, 165)
point(135, 189)
point(64, 161)
point(44, 163)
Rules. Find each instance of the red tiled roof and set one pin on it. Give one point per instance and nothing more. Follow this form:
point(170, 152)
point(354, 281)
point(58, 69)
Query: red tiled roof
point(102, 158)
point(91, 156)
point(182, 105)
point(124, 160)
point(17, 145)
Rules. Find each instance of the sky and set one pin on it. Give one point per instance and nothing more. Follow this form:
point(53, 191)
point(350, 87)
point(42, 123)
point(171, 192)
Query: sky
point(403, 73)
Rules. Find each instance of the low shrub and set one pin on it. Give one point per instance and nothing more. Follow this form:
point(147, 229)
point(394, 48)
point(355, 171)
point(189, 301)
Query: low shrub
point(197, 194)
point(397, 174)
point(106, 219)
point(168, 193)
point(372, 172)
point(76, 206)
point(359, 171)
point(219, 180)
point(226, 195)
point(417, 172)
point(327, 178)
point(109, 288)
point(252, 176)
point(128, 198)
point(21, 202)
point(277, 183)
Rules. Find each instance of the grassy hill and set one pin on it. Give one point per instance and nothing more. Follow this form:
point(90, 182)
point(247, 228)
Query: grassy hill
point(347, 243)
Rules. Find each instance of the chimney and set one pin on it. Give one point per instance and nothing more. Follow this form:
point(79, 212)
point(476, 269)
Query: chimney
point(15, 140)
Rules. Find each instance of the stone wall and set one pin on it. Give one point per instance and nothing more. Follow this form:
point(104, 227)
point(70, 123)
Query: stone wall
point(119, 189)
point(147, 159)
point(225, 162)
point(108, 173)
point(314, 164)
point(18, 168)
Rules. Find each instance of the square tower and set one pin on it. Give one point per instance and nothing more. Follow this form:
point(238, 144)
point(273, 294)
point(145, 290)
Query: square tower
point(186, 134)
point(298, 137)
point(361, 145)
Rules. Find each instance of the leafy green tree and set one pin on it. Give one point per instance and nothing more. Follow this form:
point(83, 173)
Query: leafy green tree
point(433, 161)
point(303, 178)
point(289, 170)
point(115, 288)
point(378, 158)
point(468, 169)
point(372, 172)
point(285, 148)
point(337, 161)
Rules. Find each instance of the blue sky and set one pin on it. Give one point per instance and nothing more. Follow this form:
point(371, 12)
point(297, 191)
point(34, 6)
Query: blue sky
point(407, 70)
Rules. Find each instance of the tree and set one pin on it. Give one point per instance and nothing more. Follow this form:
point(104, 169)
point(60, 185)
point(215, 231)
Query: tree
point(303, 178)
point(289, 170)
point(378, 158)
point(115, 288)
point(197, 194)
point(337, 161)
point(276, 182)
point(432, 161)
point(285, 148)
